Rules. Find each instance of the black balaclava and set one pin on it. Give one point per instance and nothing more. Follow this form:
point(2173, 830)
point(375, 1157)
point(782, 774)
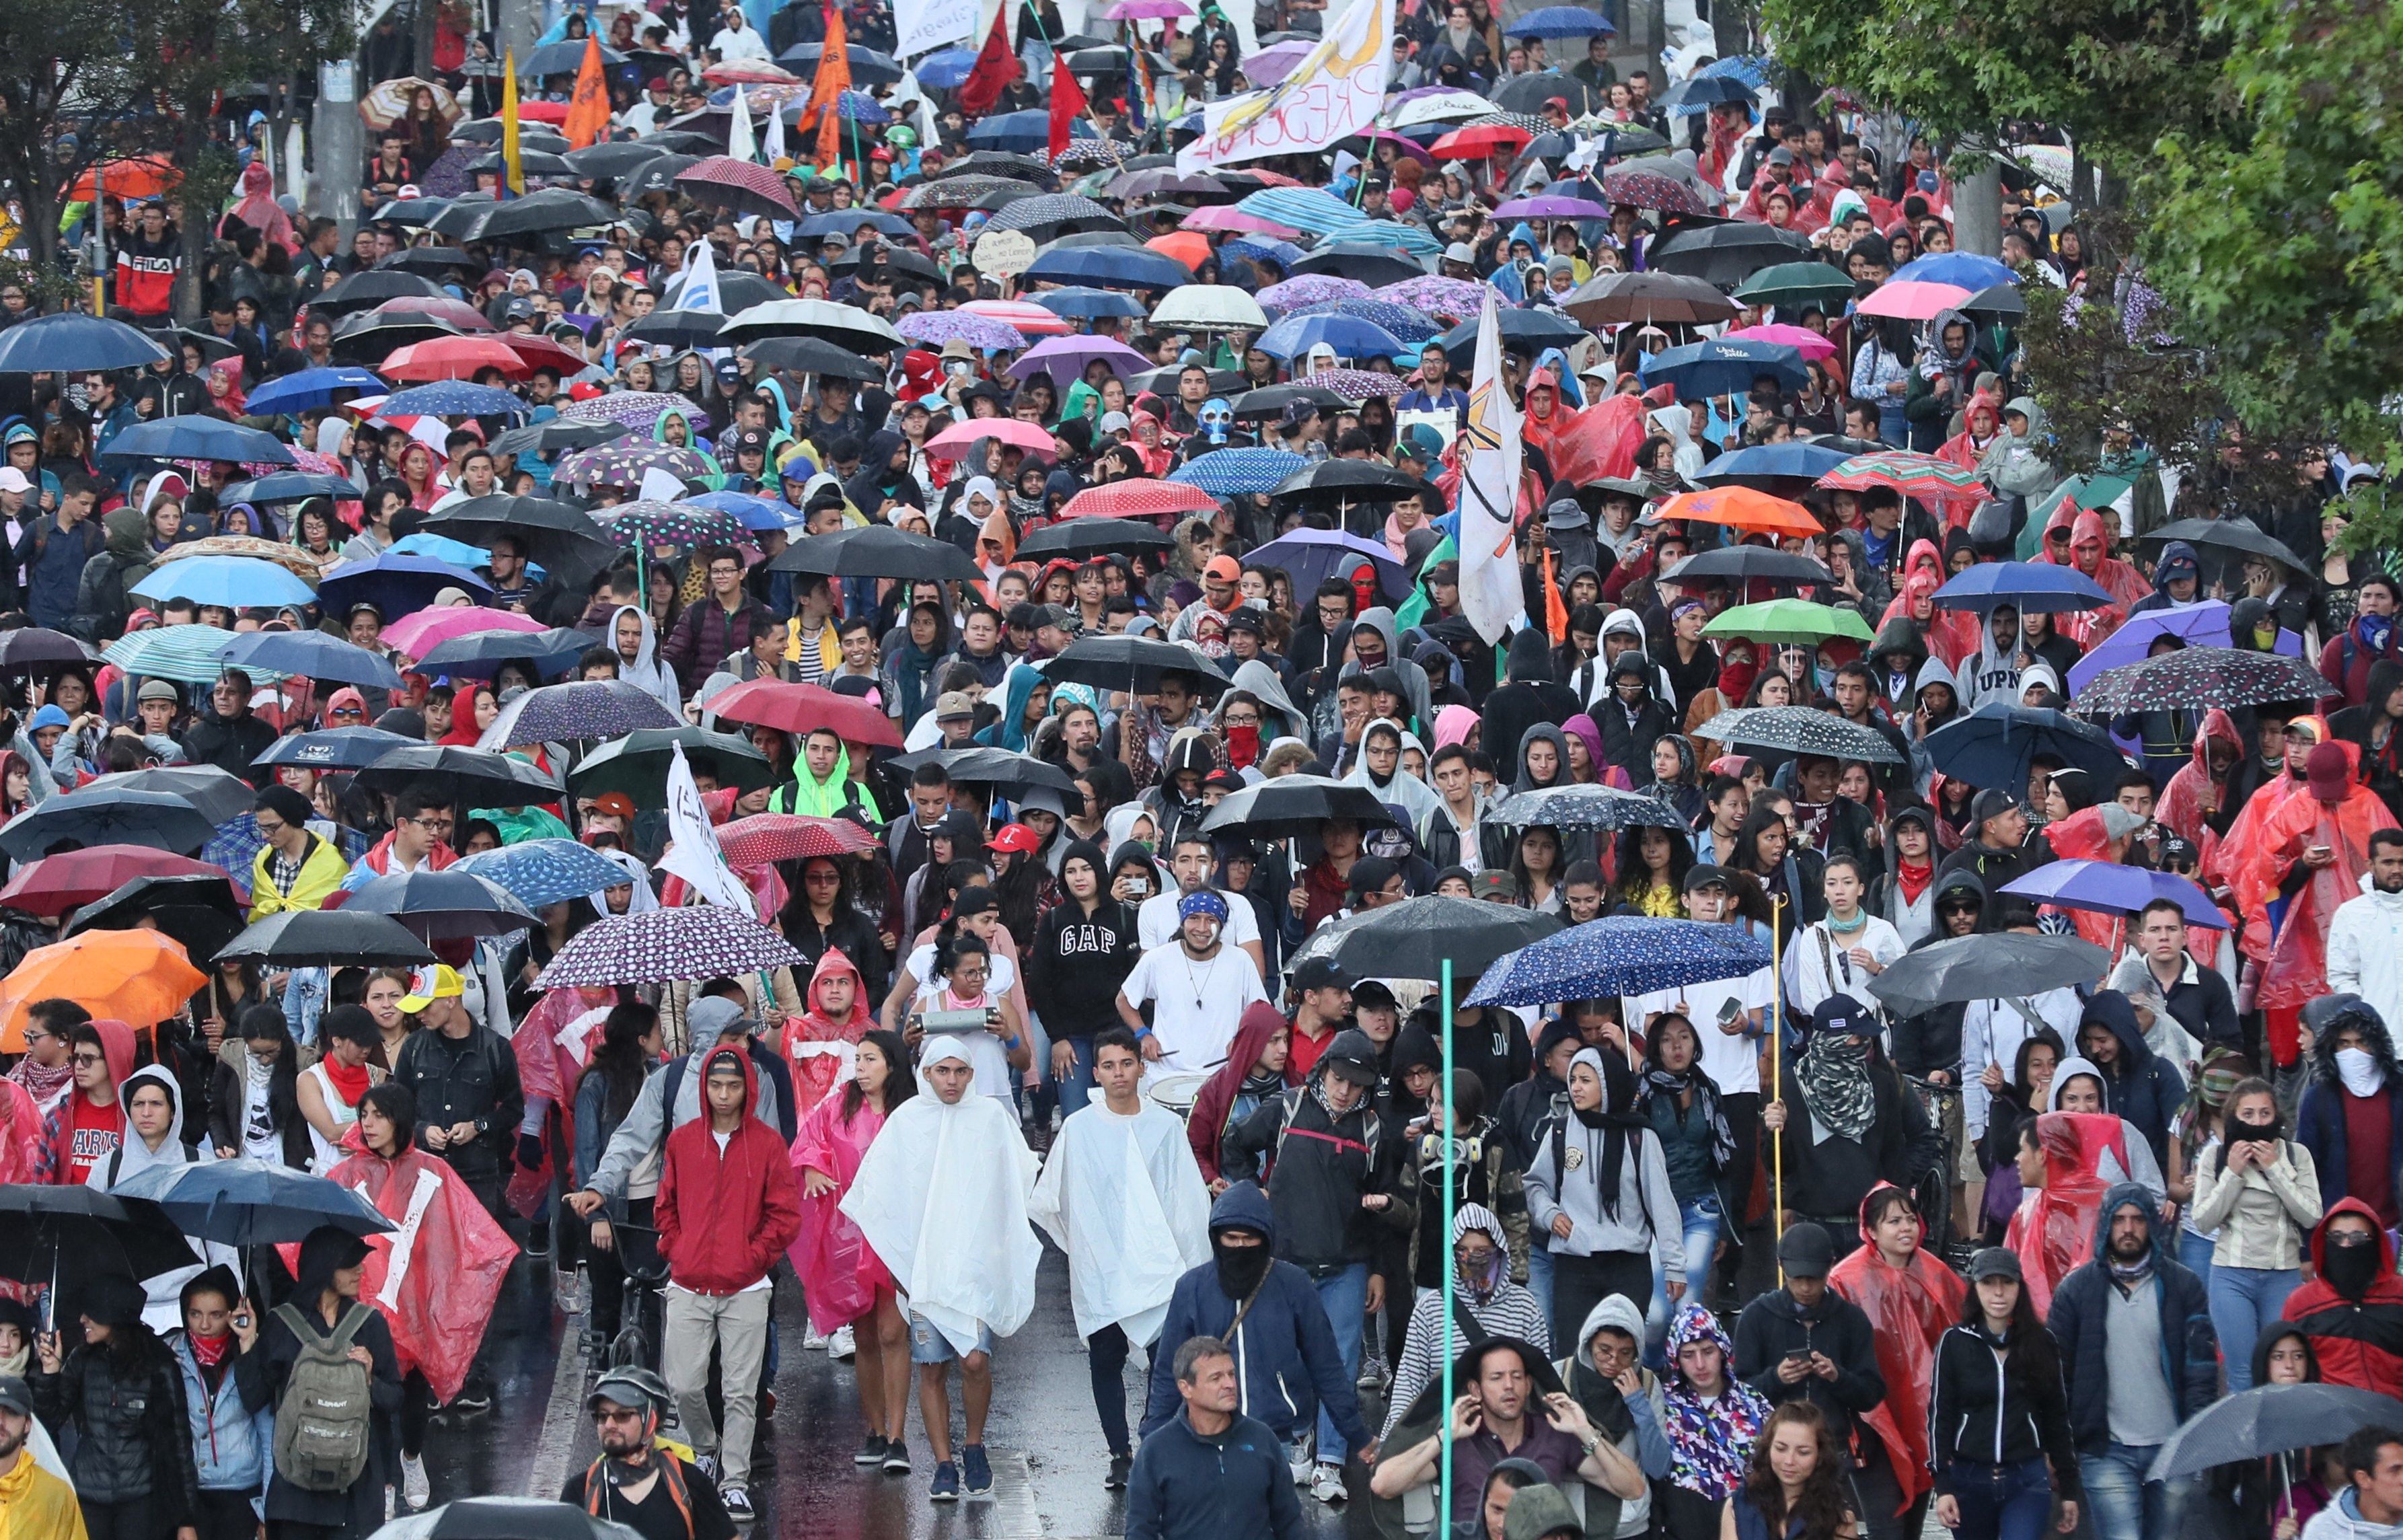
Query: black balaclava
point(2351, 1270)
point(1241, 1269)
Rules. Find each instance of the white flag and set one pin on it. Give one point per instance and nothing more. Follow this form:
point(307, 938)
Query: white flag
point(1334, 93)
point(921, 26)
point(692, 852)
point(772, 138)
point(1490, 595)
point(740, 144)
point(698, 290)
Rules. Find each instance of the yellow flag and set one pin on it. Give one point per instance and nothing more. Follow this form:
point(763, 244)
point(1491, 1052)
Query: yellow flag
point(513, 168)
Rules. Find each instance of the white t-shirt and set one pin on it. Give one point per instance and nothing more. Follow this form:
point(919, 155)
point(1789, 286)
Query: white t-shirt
point(987, 1055)
point(1196, 1005)
point(1155, 922)
point(1732, 1060)
point(1809, 979)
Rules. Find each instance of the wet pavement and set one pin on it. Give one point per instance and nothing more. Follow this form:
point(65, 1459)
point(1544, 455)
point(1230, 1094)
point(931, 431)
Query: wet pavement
point(1048, 1453)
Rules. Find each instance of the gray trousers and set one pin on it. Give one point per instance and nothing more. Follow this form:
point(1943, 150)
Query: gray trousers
point(737, 1325)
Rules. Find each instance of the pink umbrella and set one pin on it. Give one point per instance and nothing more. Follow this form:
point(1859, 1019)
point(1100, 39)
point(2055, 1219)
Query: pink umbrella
point(1912, 300)
point(1029, 319)
point(1809, 343)
point(1227, 218)
point(421, 632)
point(1147, 10)
point(953, 441)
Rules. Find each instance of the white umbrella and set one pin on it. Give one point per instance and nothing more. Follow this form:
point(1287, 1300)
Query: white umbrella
point(809, 318)
point(1439, 107)
point(1207, 306)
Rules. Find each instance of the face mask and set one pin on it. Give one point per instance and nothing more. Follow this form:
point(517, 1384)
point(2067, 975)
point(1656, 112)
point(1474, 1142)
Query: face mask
point(1240, 1268)
point(2351, 1270)
point(2359, 1069)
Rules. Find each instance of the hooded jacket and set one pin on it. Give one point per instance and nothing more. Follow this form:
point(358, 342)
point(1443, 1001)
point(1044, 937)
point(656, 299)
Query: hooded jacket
point(2359, 1342)
point(2080, 1318)
point(1773, 1325)
point(127, 1407)
point(62, 1147)
point(2382, 762)
point(725, 1215)
point(646, 672)
point(1628, 732)
point(2019, 466)
point(1531, 694)
point(101, 595)
point(1214, 1103)
point(2142, 1087)
point(1286, 1363)
point(2321, 1119)
point(1319, 1167)
point(132, 1156)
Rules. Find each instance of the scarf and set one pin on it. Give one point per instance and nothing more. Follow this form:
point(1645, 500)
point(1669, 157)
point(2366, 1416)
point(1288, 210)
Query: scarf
point(1615, 1126)
point(209, 1351)
point(1810, 823)
point(41, 1081)
point(1835, 1075)
point(1913, 880)
point(1662, 1082)
point(1605, 1406)
point(349, 1083)
point(2129, 1274)
point(2358, 1069)
point(2375, 631)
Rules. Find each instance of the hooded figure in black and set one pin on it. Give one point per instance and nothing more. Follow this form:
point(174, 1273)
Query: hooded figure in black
point(1632, 720)
point(2372, 727)
point(1850, 1122)
point(1532, 694)
point(123, 1396)
point(325, 1255)
point(2138, 1084)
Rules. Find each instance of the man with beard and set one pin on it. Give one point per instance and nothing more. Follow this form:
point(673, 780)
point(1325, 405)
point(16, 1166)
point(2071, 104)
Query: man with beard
point(2365, 941)
point(638, 1482)
point(2138, 1357)
point(2352, 1309)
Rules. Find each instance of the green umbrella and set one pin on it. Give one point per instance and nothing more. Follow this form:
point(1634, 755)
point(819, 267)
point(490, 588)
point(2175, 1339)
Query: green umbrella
point(2087, 492)
point(1796, 621)
point(1791, 283)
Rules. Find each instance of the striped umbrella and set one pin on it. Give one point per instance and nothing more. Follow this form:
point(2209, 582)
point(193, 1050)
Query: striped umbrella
point(1312, 209)
point(189, 655)
point(739, 187)
point(1022, 316)
point(1140, 498)
point(1224, 473)
point(1393, 236)
point(939, 326)
point(1911, 474)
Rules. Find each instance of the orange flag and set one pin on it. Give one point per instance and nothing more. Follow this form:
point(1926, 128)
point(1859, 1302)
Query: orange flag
point(825, 106)
point(588, 116)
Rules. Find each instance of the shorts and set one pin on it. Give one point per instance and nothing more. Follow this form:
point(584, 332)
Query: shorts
point(1966, 1170)
point(928, 1345)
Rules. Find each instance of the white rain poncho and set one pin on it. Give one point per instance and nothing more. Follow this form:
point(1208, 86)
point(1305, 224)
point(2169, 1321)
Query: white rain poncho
point(1124, 1197)
point(941, 1198)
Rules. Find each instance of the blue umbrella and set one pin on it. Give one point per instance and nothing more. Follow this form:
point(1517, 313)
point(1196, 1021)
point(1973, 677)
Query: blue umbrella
point(1108, 268)
point(75, 344)
point(1561, 21)
point(443, 905)
point(756, 513)
point(336, 748)
point(249, 1203)
point(2107, 887)
point(191, 437)
point(1348, 335)
point(2203, 625)
point(1405, 323)
point(1021, 130)
point(1087, 304)
point(1392, 234)
point(394, 585)
point(310, 388)
point(189, 655)
point(1312, 209)
point(237, 582)
point(1284, 254)
point(860, 107)
point(1993, 746)
point(1223, 472)
point(236, 844)
point(1700, 92)
point(843, 222)
point(1309, 557)
point(453, 399)
point(1750, 68)
point(288, 486)
point(1620, 954)
point(2038, 586)
point(545, 871)
point(946, 70)
point(458, 553)
point(315, 654)
point(1723, 368)
point(479, 656)
point(1966, 268)
point(1770, 467)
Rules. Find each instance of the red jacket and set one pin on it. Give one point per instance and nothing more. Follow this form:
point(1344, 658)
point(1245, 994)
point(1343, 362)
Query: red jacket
point(725, 1217)
point(2358, 1344)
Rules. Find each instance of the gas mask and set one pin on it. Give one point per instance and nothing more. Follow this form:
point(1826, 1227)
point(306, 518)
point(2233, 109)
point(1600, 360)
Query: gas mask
point(1217, 415)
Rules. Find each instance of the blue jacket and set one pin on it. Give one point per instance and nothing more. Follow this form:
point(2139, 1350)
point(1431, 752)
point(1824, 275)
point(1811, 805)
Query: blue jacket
point(232, 1442)
point(2147, 1088)
point(54, 561)
point(2189, 1348)
point(1187, 1487)
point(1285, 1358)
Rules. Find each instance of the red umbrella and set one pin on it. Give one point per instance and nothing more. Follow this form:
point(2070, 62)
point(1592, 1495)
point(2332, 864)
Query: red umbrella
point(1482, 142)
point(455, 358)
point(743, 186)
point(535, 352)
point(56, 883)
point(766, 837)
point(1139, 498)
point(805, 708)
point(543, 112)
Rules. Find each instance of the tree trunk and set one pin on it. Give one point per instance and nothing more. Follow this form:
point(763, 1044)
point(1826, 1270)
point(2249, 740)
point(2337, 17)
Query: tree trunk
point(424, 17)
point(1731, 27)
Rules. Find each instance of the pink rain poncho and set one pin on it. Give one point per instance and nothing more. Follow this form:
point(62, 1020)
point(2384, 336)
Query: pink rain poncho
point(840, 1276)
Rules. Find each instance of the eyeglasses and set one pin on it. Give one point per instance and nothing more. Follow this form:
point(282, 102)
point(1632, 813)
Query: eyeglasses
point(270, 827)
point(2335, 1238)
point(87, 1059)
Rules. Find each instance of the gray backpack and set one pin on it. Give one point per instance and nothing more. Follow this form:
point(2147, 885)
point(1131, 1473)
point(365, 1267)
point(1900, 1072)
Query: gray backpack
point(322, 1425)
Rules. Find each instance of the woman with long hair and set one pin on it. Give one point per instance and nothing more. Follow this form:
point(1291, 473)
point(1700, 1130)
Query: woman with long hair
point(630, 1045)
point(1679, 1101)
point(1999, 1414)
point(1536, 867)
point(844, 1283)
point(1597, 1182)
point(324, 1300)
point(1652, 866)
point(1793, 1489)
point(329, 1092)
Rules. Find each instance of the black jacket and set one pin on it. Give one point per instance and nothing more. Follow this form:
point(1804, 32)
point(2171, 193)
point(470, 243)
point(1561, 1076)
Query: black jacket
point(470, 1079)
point(231, 743)
point(2079, 1320)
point(1828, 1178)
point(1318, 1171)
point(229, 1099)
point(1076, 965)
point(133, 1438)
point(1773, 1325)
point(1990, 1411)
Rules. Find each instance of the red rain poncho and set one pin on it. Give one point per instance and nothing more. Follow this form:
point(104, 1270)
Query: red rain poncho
point(436, 1276)
point(840, 1276)
point(816, 1045)
point(2053, 1230)
point(1909, 1309)
point(2080, 836)
point(1949, 635)
point(2296, 968)
point(552, 1046)
point(2183, 810)
point(2238, 862)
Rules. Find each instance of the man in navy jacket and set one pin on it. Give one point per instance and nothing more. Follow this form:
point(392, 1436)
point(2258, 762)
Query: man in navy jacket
point(1210, 1471)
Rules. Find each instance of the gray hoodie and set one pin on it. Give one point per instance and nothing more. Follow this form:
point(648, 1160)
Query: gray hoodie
point(629, 1167)
point(1647, 1219)
point(1933, 671)
point(2342, 1521)
point(2018, 467)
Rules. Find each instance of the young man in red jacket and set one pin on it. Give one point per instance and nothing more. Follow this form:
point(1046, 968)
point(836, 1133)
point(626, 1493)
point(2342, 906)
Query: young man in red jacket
point(727, 1209)
point(2353, 1307)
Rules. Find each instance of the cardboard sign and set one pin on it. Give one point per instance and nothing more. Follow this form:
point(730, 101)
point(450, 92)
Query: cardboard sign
point(999, 254)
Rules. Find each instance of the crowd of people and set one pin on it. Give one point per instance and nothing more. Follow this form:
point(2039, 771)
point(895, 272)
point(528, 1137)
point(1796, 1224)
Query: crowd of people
point(1176, 511)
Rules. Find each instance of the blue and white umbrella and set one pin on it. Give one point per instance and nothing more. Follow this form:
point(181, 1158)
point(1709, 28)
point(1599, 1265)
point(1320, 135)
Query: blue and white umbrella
point(1620, 954)
point(1284, 254)
point(756, 513)
point(1393, 235)
point(1223, 472)
point(545, 871)
point(310, 388)
point(189, 655)
point(1405, 323)
point(1312, 209)
point(452, 398)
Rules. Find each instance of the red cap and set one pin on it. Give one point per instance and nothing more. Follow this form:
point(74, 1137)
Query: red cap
point(2329, 772)
point(1017, 839)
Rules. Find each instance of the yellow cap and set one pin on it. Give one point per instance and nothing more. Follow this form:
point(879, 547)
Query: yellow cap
point(440, 982)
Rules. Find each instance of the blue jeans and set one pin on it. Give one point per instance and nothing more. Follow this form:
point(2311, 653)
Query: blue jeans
point(1540, 1274)
point(2244, 1302)
point(1702, 1225)
point(2126, 1506)
point(2195, 1252)
point(2001, 1502)
point(1345, 1296)
point(1077, 1088)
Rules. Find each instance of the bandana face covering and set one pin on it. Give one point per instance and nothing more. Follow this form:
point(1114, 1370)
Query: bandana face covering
point(2359, 1069)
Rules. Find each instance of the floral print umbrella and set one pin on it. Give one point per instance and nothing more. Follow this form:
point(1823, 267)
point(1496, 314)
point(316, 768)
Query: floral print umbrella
point(623, 462)
point(639, 409)
point(1452, 298)
point(696, 942)
point(938, 326)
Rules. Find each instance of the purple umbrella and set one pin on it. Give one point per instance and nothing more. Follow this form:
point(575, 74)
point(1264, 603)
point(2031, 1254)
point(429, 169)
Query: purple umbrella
point(1277, 60)
point(1309, 557)
point(1455, 299)
point(1066, 357)
point(636, 408)
point(1310, 288)
point(2105, 887)
point(2203, 625)
point(1549, 206)
point(939, 326)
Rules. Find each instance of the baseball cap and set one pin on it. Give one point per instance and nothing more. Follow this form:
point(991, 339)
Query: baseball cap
point(1704, 875)
point(1115, 421)
point(1460, 251)
point(2329, 772)
point(1992, 803)
point(1320, 973)
point(1372, 872)
point(440, 982)
point(616, 804)
point(954, 704)
point(1017, 839)
point(1372, 994)
point(1053, 614)
point(1492, 884)
point(16, 1396)
point(13, 480)
point(730, 368)
point(1225, 568)
point(1807, 1251)
point(1994, 1262)
point(1352, 1056)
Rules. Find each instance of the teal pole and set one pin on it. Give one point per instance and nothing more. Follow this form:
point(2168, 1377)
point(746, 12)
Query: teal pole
point(1450, 1268)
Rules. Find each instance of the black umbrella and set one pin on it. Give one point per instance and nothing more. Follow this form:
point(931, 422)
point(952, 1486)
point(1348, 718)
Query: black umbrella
point(502, 1518)
point(1995, 746)
point(1729, 253)
point(1749, 564)
point(1414, 939)
point(1584, 807)
point(430, 261)
point(681, 142)
point(481, 654)
point(1799, 730)
point(213, 348)
point(2002, 302)
point(1371, 264)
point(531, 162)
point(1027, 168)
point(879, 550)
point(540, 214)
point(563, 539)
point(335, 748)
point(558, 435)
point(465, 777)
point(562, 58)
point(896, 259)
point(366, 290)
point(201, 912)
point(149, 818)
point(76, 1233)
point(1986, 968)
point(2238, 538)
point(1009, 772)
point(1162, 381)
point(810, 355)
point(1668, 299)
point(1133, 663)
point(1271, 400)
point(637, 764)
point(2270, 1419)
point(441, 905)
point(867, 66)
point(658, 175)
point(374, 337)
point(461, 216)
point(1081, 538)
point(1343, 482)
point(1523, 331)
point(614, 159)
point(216, 794)
point(679, 328)
point(1529, 93)
point(345, 938)
point(409, 213)
point(2197, 679)
point(41, 654)
point(1292, 807)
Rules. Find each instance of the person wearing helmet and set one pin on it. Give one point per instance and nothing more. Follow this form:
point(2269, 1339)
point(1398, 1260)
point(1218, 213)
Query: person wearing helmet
point(902, 140)
point(640, 1480)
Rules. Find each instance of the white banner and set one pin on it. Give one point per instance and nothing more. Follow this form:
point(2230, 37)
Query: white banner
point(1490, 594)
point(692, 852)
point(698, 290)
point(1333, 93)
point(924, 25)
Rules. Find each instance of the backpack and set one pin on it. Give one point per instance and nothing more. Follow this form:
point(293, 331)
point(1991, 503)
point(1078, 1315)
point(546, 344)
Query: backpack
point(322, 1423)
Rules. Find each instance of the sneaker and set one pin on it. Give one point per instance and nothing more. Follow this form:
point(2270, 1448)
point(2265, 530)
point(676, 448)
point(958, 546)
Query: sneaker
point(870, 1452)
point(473, 1401)
point(388, 1502)
point(1120, 1466)
point(738, 1504)
point(1328, 1484)
point(1373, 1374)
point(414, 1489)
point(706, 1464)
point(947, 1483)
point(1301, 1462)
point(897, 1457)
point(766, 1405)
point(841, 1346)
point(813, 1342)
point(976, 1469)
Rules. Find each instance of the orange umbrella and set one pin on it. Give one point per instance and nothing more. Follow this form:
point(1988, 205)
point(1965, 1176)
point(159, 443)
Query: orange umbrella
point(150, 176)
point(1188, 246)
point(136, 976)
point(454, 358)
point(1744, 509)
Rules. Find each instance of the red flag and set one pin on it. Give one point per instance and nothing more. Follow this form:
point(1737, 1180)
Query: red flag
point(1067, 104)
point(996, 69)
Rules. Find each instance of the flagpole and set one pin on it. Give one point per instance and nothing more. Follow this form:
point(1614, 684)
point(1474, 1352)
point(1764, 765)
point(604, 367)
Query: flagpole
point(1777, 1066)
point(1451, 1268)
